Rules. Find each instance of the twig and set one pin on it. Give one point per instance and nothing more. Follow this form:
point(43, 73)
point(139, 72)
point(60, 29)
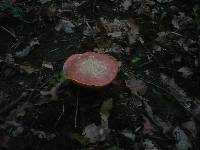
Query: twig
point(53, 50)
point(15, 45)
point(12, 34)
point(13, 103)
point(63, 111)
point(76, 113)
point(89, 27)
point(176, 34)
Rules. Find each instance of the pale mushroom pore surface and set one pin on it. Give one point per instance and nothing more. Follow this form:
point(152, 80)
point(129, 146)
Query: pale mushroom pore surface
point(93, 67)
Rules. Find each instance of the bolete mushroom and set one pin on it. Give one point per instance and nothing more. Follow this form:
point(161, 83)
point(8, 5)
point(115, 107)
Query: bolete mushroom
point(91, 69)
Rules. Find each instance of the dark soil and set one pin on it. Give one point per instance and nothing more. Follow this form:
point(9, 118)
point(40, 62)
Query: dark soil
point(32, 120)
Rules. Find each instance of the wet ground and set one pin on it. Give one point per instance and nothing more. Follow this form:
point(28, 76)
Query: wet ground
point(152, 104)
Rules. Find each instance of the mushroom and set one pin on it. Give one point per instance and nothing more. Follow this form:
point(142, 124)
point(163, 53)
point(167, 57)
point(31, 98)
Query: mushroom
point(91, 69)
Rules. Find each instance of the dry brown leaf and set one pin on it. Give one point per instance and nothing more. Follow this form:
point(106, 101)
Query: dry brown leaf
point(147, 126)
point(136, 86)
point(47, 65)
point(28, 69)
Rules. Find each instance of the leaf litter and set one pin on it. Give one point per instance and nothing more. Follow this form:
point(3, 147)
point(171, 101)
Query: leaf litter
point(182, 141)
point(99, 133)
point(157, 30)
point(136, 86)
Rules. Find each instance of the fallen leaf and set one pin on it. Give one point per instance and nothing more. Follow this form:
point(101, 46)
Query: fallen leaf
point(148, 145)
point(186, 71)
point(128, 134)
point(147, 126)
point(182, 43)
point(21, 110)
point(181, 20)
point(117, 28)
point(52, 92)
point(28, 69)
point(95, 133)
point(182, 141)
point(105, 112)
point(136, 86)
point(126, 4)
point(47, 65)
point(162, 36)
point(133, 33)
point(175, 22)
point(24, 52)
point(66, 25)
point(144, 9)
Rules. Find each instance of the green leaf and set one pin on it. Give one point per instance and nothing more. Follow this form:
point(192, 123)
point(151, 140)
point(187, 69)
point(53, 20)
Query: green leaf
point(59, 77)
point(135, 60)
point(113, 148)
point(16, 12)
point(79, 138)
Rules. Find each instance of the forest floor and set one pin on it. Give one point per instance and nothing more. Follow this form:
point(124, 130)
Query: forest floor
point(154, 102)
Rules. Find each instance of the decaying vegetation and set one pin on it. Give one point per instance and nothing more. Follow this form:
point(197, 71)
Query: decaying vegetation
point(153, 104)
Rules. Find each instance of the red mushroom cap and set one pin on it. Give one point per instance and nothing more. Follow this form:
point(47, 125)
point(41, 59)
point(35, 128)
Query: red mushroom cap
point(91, 69)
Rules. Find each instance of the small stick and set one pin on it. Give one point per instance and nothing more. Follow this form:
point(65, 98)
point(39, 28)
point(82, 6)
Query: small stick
point(63, 111)
point(176, 33)
point(76, 113)
point(12, 34)
point(89, 27)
